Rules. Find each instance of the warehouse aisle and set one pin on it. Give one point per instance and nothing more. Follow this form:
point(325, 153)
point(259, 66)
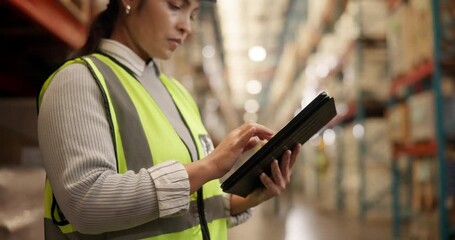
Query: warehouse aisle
point(297, 220)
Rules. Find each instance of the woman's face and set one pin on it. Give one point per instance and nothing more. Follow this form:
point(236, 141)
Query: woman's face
point(156, 28)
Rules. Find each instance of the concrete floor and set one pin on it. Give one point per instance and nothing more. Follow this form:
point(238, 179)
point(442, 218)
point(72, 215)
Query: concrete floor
point(291, 218)
point(21, 201)
point(288, 218)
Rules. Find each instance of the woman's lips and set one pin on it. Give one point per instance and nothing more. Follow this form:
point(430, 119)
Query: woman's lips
point(174, 43)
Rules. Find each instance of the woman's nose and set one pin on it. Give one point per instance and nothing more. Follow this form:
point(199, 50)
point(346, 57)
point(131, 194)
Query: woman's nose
point(184, 24)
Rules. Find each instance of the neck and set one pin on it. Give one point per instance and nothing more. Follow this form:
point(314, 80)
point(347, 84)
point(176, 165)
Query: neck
point(122, 34)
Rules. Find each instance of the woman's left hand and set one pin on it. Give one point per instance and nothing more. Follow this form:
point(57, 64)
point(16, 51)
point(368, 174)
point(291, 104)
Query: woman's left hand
point(273, 186)
point(280, 179)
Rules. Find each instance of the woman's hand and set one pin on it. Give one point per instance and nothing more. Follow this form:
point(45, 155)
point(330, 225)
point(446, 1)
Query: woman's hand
point(281, 176)
point(223, 157)
point(235, 143)
point(273, 185)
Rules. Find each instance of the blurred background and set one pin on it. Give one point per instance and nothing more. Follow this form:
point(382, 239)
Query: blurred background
point(384, 168)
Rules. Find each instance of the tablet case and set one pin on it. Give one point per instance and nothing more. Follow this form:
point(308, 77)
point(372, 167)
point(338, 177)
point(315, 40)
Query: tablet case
point(301, 128)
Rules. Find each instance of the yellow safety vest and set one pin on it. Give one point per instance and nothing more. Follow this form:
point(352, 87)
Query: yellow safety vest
point(144, 119)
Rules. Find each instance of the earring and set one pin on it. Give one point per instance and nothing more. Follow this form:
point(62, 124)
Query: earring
point(127, 9)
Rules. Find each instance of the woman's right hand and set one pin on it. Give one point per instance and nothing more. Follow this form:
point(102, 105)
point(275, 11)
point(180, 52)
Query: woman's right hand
point(234, 144)
point(223, 157)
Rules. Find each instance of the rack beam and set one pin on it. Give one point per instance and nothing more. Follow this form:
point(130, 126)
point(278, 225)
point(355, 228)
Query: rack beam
point(418, 74)
point(417, 150)
point(55, 18)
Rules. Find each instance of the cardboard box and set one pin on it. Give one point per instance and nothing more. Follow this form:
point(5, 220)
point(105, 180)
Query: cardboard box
point(398, 123)
point(422, 116)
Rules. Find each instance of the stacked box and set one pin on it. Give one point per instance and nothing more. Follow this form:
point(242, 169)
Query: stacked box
point(421, 116)
point(372, 77)
point(404, 165)
point(424, 184)
point(349, 86)
point(373, 19)
point(424, 223)
point(398, 123)
point(376, 161)
point(422, 19)
point(377, 145)
point(448, 36)
point(398, 36)
point(409, 36)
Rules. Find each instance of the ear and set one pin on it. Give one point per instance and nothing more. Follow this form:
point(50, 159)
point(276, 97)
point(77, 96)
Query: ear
point(129, 5)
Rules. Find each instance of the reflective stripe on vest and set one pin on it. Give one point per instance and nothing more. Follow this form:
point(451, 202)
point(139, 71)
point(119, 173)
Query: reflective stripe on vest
point(184, 227)
point(128, 105)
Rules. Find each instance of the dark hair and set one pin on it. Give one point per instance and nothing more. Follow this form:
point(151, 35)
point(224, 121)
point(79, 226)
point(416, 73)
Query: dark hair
point(101, 27)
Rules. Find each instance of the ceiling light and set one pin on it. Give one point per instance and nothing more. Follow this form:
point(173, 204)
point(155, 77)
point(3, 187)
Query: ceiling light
point(253, 87)
point(322, 70)
point(332, 61)
point(315, 140)
point(257, 54)
point(329, 137)
point(251, 106)
point(208, 51)
point(358, 131)
point(250, 117)
point(310, 71)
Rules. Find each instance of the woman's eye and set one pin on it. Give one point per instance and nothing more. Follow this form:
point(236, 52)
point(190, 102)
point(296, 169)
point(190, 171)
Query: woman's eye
point(174, 6)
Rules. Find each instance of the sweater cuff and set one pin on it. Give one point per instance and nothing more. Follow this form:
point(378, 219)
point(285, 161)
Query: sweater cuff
point(172, 188)
point(233, 221)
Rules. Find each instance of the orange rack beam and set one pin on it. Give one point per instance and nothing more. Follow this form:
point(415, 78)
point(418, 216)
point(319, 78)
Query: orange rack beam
point(419, 149)
point(418, 74)
point(53, 16)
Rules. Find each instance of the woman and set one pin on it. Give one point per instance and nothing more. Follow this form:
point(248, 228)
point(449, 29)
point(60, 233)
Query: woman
point(124, 148)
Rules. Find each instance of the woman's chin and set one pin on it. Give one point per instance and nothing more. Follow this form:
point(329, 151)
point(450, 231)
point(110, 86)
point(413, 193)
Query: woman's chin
point(166, 55)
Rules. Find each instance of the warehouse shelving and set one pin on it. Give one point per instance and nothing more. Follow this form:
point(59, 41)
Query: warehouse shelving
point(444, 228)
point(363, 113)
point(368, 107)
point(435, 147)
point(368, 203)
point(411, 150)
point(358, 111)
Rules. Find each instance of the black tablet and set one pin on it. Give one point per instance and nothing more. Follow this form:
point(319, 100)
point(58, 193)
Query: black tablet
point(302, 127)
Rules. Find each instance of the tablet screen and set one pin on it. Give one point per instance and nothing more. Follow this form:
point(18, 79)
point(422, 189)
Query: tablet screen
point(302, 127)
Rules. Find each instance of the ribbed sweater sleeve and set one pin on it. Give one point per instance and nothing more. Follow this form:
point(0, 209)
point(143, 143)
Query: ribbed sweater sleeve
point(79, 159)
